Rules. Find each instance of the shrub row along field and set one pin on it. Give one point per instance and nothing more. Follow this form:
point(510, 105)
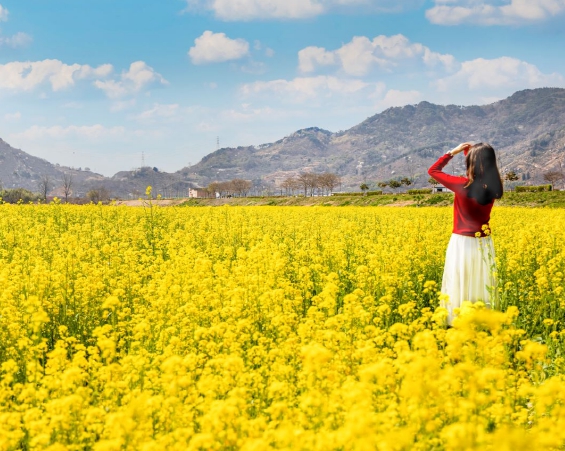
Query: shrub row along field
point(260, 328)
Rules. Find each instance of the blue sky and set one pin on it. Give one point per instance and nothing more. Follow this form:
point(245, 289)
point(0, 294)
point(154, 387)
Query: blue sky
point(97, 83)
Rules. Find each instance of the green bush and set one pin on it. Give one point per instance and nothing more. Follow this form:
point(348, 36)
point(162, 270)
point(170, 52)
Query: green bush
point(435, 199)
point(533, 189)
point(369, 193)
point(420, 191)
point(13, 196)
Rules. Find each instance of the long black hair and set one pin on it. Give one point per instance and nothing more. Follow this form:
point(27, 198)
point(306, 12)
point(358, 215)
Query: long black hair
point(485, 183)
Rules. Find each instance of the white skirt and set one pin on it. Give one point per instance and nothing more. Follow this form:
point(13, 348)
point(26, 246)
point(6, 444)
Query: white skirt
point(468, 274)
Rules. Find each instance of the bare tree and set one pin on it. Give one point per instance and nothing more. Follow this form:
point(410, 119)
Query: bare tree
point(307, 182)
point(321, 184)
point(213, 188)
point(316, 184)
point(287, 184)
point(304, 180)
point(225, 189)
point(291, 185)
point(44, 186)
point(67, 185)
point(248, 186)
point(235, 187)
point(310, 182)
point(553, 177)
point(295, 186)
point(328, 181)
point(240, 187)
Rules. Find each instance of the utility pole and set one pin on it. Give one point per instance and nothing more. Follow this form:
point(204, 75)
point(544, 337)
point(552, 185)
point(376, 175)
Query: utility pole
point(217, 143)
point(142, 159)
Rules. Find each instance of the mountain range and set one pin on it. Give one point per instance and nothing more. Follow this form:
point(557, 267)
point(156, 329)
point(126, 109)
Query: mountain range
point(527, 129)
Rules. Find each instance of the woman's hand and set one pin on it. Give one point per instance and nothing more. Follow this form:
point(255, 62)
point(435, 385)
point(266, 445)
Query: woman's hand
point(460, 148)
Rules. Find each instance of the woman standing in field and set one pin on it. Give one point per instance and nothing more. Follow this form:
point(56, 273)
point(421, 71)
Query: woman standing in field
point(469, 262)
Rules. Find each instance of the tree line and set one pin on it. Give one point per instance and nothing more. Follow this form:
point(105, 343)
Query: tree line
point(44, 186)
point(310, 183)
point(233, 188)
point(552, 177)
point(393, 183)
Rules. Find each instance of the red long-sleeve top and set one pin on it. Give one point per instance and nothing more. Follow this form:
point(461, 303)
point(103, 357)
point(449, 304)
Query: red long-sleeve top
point(468, 215)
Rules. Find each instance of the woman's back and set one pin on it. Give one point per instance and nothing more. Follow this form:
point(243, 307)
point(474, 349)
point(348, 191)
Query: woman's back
point(469, 216)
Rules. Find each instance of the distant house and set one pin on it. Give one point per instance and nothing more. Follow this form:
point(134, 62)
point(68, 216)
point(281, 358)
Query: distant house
point(441, 189)
point(198, 193)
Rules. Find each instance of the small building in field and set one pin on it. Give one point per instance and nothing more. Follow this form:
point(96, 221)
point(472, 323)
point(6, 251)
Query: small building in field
point(440, 189)
point(198, 193)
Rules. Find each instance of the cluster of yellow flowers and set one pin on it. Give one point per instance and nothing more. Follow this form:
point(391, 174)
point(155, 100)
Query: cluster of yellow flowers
point(273, 328)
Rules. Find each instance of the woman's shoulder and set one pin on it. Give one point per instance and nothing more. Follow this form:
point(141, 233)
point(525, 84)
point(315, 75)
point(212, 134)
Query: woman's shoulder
point(459, 179)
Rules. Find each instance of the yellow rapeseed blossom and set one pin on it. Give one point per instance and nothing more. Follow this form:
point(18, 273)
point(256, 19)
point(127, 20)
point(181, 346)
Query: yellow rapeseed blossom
point(274, 328)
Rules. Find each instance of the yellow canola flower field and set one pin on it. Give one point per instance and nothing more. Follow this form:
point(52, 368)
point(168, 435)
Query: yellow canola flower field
point(268, 328)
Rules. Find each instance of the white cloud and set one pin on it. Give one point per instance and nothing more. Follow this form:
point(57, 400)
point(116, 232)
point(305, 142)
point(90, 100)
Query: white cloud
point(159, 111)
point(495, 74)
point(73, 105)
point(25, 76)
point(217, 48)
point(139, 76)
point(254, 67)
point(491, 12)
point(13, 116)
point(380, 89)
point(303, 88)
point(233, 10)
point(247, 113)
point(359, 56)
point(257, 45)
point(97, 131)
point(112, 88)
point(207, 127)
point(312, 57)
point(3, 14)
point(251, 113)
point(245, 10)
point(394, 97)
point(103, 70)
point(18, 40)
point(121, 105)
